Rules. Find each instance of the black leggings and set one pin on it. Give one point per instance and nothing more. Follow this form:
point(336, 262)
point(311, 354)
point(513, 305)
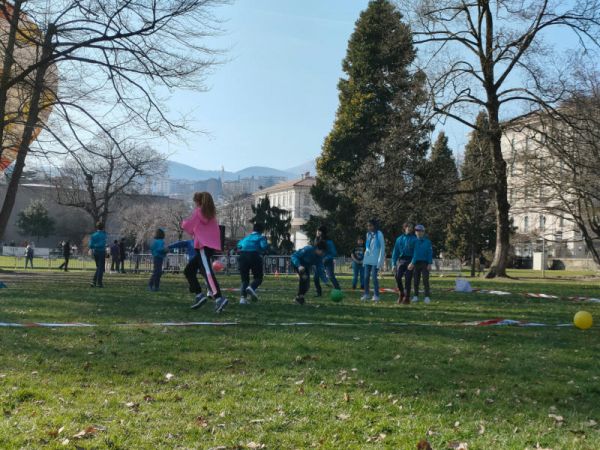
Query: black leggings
point(202, 263)
point(402, 272)
point(250, 262)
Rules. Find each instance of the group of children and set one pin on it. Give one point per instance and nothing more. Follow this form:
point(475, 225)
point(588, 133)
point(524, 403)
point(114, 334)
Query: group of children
point(411, 259)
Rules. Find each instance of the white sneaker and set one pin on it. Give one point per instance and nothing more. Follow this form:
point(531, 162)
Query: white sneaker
point(243, 301)
point(364, 298)
point(220, 304)
point(427, 300)
point(252, 293)
point(375, 298)
point(415, 299)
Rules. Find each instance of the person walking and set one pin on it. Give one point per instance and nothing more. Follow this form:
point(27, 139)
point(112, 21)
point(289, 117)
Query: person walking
point(98, 248)
point(29, 253)
point(66, 251)
point(358, 269)
point(158, 255)
point(122, 255)
point(252, 248)
point(328, 261)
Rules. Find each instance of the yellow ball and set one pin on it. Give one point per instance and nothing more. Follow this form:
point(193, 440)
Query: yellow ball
point(583, 320)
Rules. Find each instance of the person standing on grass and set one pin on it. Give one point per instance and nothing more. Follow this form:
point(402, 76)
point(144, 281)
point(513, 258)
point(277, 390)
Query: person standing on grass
point(29, 252)
point(98, 248)
point(401, 258)
point(203, 226)
point(421, 263)
point(374, 259)
point(302, 261)
point(122, 256)
point(136, 259)
point(328, 261)
point(158, 255)
point(115, 257)
point(250, 259)
point(66, 251)
point(358, 270)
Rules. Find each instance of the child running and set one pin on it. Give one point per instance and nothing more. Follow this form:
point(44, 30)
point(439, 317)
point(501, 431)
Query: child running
point(328, 263)
point(98, 248)
point(158, 255)
point(421, 262)
point(401, 258)
point(374, 258)
point(203, 226)
point(302, 261)
point(251, 248)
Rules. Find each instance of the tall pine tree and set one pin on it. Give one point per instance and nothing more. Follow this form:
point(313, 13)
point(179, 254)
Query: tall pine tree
point(473, 227)
point(440, 182)
point(366, 165)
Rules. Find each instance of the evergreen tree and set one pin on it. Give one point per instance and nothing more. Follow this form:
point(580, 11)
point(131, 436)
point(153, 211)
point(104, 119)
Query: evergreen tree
point(439, 186)
point(366, 166)
point(34, 221)
point(473, 227)
point(277, 221)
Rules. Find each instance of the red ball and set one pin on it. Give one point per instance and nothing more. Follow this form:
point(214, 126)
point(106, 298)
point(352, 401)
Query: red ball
point(218, 266)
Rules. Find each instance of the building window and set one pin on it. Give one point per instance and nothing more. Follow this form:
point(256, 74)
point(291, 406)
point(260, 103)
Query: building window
point(526, 224)
point(542, 222)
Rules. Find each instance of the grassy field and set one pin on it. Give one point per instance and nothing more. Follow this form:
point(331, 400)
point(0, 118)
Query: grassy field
point(370, 383)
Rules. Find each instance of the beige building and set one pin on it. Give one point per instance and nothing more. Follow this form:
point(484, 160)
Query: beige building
point(293, 196)
point(534, 189)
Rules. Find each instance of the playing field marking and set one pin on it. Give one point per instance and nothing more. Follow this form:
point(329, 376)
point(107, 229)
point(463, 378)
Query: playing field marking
point(491, 322)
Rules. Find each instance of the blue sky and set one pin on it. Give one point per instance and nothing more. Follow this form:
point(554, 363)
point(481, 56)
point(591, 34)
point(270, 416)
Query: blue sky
point(274, 100)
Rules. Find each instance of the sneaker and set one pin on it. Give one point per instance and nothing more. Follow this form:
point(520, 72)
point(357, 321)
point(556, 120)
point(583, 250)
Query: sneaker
point(400, 299)
point(209, 294)
point(243, 301)
point(220, 304)
point(364, 298)
point(375, 298)
point(299, 299)
point(406, 300)
point(415, 299)
point(427, 300)
point(252, 294)
point(199, 301)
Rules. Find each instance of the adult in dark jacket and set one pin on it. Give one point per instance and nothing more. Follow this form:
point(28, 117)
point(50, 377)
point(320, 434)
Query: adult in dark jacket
point(66, 251)
point(122, 255)
point(115, 257)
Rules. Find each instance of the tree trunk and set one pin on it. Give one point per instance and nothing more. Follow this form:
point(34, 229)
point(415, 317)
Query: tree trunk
point(472, 259)
point(32, 119)
point(498, 266)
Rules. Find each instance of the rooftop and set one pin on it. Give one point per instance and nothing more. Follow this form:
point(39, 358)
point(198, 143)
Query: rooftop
point(305, 181)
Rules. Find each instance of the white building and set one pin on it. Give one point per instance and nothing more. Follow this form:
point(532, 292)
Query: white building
point(293, 196)
point(534, 203)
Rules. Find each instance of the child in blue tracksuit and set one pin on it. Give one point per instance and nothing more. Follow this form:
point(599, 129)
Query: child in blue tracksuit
point(328, 261)
point(302, 261)
point(158, 255)
point(252, 248)
point(421, 262)
point(401, 258)
point(374, 258)
point(98, 248)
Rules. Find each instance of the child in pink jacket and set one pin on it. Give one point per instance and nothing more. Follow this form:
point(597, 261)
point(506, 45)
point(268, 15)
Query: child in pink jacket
point(203, 226)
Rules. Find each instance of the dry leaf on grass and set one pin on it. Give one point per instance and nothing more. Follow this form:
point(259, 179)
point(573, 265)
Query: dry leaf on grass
point(346, 397)
point(87, 432)
point(458, 446)
point(169, 376)
point(254, 445)
point(342, 416)
point(423, 445)
point(201, 422)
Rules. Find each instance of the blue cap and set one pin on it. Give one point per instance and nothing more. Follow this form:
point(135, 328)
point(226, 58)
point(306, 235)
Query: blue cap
point(419, 228)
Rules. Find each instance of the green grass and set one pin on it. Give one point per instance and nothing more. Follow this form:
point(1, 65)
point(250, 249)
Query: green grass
point(370, 384)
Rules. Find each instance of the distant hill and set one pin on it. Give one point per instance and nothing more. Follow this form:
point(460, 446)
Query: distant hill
point(308, 166)
point(184, 172)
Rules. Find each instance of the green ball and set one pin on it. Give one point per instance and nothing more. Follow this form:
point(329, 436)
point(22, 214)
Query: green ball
point(337, 295)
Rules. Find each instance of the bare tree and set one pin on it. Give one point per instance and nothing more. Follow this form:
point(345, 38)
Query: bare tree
point(494, 55)
point(98, 65)
point(95, 178)
point(235, 214)
point(141, 220)
point(562, 162)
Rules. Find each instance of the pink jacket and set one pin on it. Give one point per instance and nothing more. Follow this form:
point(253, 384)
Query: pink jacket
point(206, 232)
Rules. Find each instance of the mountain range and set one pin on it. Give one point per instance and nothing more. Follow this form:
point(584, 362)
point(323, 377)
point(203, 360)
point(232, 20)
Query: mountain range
point(185, 172)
